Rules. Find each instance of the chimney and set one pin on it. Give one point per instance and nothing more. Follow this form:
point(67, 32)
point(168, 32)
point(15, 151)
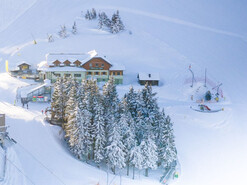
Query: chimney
point(149, 75)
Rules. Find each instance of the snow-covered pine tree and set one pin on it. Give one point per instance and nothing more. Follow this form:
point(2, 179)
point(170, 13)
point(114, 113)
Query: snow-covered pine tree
point(82, 89)
point(149, 152)
point(168, 151)
point(63, 32)
point(162, 137)
point(86, 123)
point(68, 82)
point(131, 100)
point(57, 101)
point(148, 108)
point(100, 138)
point(70, 104)
point(101, 21)
point(128, 132)
point(115, 154)
point(136, 158)
point(50, 38)
point(106, 21)
point(111, 104)
point(93, 14)
point(116, 23)
point(74, 28)
point(88, 15)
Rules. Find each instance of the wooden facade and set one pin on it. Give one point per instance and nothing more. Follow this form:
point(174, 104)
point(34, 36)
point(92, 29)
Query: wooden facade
point(24, 66)
point(116, 72)
point(96, 63)
point(149, 82)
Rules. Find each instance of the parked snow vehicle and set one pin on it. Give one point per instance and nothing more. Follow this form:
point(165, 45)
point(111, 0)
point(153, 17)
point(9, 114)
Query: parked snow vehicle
point(205, 109)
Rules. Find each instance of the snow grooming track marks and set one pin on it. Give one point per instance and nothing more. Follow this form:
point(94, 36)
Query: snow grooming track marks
point(177, 21)
point(8, 17)
point(14, 172)
point(40, 163)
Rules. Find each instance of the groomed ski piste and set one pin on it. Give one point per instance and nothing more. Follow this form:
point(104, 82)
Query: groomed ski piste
point(167, 37)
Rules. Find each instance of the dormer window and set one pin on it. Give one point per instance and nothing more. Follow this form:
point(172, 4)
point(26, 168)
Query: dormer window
point(67, 63)
point(57, 63)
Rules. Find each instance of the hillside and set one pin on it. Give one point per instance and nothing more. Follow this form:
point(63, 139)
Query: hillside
point(167, 36)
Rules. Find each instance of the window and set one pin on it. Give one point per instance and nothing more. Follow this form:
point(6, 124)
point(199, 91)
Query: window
point(57, 75)
point(97, 65)
point(102, 65)
point(96, 73)
point(103, 73)
point(77, 75)
point(118, 73)
point(67, 75)
point(89, 73)
point(90, 64)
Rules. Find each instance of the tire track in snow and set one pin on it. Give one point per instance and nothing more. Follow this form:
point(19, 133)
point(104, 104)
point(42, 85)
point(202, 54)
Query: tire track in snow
point(179, 21)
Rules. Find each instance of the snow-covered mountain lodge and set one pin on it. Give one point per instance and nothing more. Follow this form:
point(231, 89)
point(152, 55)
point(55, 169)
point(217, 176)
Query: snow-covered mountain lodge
point(80, 66)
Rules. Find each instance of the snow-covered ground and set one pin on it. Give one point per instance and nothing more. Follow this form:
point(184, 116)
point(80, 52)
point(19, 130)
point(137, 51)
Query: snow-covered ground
point(167, 36)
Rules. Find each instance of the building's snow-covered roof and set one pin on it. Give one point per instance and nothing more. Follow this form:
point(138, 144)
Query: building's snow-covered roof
point(60, 69)
point(117, 67)
point(72, 57)
point(148, 76)
point(22, 62)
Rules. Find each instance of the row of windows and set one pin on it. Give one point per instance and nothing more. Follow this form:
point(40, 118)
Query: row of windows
point(68, 75)
point(96, 73)
point(115, 73)
point(96, 64)
point(88, 73)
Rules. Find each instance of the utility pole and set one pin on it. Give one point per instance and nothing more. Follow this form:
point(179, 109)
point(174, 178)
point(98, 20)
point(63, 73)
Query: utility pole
point(205, 84)
point(193, 78)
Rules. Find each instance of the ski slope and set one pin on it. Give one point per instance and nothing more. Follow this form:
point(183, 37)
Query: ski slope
point(167, 36)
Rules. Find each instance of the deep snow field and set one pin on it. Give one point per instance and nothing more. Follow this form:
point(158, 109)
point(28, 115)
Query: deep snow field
point(167, 36)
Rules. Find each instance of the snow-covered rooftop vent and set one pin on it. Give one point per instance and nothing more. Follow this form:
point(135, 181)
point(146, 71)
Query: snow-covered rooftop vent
point(148, 76)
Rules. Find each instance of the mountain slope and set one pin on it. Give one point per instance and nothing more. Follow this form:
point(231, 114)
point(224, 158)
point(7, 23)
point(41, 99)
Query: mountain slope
point(167, 36)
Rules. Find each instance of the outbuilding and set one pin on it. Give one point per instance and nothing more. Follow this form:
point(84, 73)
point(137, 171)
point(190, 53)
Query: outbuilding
point(148, 78)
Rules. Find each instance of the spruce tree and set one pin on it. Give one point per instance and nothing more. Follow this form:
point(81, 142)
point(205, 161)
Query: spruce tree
point(63, 32)
point(93, 14)
point(150, 155)
point(131, 100)
point(136, 158)
point(128, 133)
point(74, 28)
point(58, 102)
point(70, 104)
point(116, 23)
point(111, 104)
point(115, 154)
point(169, 152)
point(87, 127)
point(50, 38)
point(100, 138)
